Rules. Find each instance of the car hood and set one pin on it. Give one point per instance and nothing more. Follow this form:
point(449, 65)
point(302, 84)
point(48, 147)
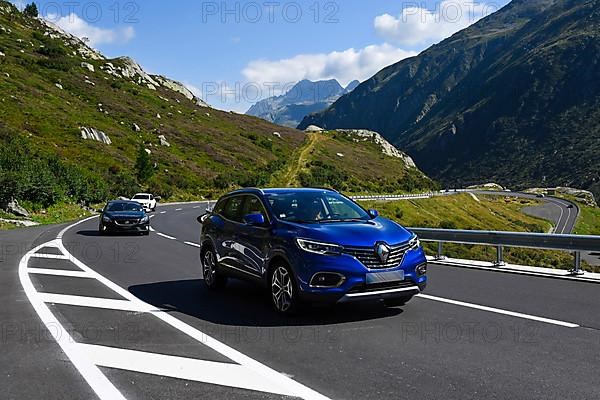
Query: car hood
point(124, 214)
point(355, 234)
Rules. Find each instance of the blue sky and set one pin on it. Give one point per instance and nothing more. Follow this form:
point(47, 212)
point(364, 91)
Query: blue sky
point(233, 53)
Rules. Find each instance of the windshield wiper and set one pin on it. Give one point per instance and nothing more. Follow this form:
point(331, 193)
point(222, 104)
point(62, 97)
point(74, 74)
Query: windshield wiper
point(340, 220)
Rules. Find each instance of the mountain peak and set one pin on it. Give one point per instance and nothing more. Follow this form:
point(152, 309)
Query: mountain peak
point(304, 98)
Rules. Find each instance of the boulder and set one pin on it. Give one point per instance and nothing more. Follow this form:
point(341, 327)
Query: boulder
point(136, 128)
point(277, 134)
point(340, 154)
point(14, 208)
point(148, 151)
point(2, 54)
point(163, 141)
point(89, 66)
point(94, 134)
point(58, 85)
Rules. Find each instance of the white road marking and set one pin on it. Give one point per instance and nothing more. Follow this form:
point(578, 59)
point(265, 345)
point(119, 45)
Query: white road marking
point(499, 311)
point(178, 209)
point(559, 218)
point(103, 388)
point(163, 212)
point(166, 236)
point(268, 379)
point(152, 216)
point(197, 207)
point(50, 256)
point(94, 302)
point(59, 272)
point(216, 373)
point(192, 244)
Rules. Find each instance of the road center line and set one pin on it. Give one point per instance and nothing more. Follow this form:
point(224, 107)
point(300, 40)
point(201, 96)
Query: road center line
point(499, 311)
point(166, 236)
point(192, 244)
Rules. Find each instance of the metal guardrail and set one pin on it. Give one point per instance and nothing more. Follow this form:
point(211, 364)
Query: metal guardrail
point(574, 243)
point(395, 197)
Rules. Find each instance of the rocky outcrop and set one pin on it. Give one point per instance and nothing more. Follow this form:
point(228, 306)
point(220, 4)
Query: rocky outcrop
point(313, 128)
point(55, 32)
point(14, 208)
point(88, 66)
point(131, 69)
point(386, 147)
point(94, 134)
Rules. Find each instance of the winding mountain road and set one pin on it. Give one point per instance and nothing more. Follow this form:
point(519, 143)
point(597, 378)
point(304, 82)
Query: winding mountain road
point(113, 317)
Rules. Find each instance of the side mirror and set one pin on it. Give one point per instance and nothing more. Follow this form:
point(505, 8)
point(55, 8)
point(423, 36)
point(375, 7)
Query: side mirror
point(254, 219)
point(201, 218)
point(157, 198)
point(373, 213)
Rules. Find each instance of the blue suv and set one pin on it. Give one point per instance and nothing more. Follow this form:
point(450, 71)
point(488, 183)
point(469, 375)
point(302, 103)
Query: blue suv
point(310, 245)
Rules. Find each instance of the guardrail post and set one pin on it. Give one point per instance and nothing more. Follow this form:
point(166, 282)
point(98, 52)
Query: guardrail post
point(577, 266)
point(499, 257)
point(440, 251)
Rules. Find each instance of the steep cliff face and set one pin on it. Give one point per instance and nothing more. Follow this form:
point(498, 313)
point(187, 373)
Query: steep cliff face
point(513, 99)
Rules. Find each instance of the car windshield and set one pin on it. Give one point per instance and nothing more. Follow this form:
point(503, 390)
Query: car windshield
point(124, 207)
point(315, 207)
point(141, 197)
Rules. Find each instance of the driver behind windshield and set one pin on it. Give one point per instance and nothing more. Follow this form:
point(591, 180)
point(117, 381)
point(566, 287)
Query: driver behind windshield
point(311, 209)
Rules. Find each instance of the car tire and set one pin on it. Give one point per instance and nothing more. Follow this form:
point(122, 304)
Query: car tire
point(283, 289)
point(397, 302)
point(101, 230)
point(213, 279)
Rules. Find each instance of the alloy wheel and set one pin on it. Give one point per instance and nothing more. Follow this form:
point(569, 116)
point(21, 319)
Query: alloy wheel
point(282, 289)
point(209, 268)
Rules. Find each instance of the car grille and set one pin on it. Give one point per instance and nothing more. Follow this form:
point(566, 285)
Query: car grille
point(381, 286)
point(368, 256)
point(126, 222)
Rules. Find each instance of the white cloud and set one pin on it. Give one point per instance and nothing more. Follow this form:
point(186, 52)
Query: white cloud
point(77, 26)
point(418, 26)
point(345, 66)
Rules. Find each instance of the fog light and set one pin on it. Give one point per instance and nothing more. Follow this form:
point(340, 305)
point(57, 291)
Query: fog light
point(421, 269)
point(327, 280)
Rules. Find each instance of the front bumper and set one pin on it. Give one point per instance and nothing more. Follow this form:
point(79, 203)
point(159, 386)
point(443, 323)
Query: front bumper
point(355, 286)
point(114, 226)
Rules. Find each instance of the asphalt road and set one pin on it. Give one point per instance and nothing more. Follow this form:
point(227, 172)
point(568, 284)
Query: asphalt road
point(131, 319)
point(561, 212)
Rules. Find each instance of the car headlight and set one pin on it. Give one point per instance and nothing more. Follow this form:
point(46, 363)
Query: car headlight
point(106, 219)
point(414, 243)
point(319, 247)
point(145, 219)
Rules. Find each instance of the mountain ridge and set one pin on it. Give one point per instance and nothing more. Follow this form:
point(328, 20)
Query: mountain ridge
point(512, 98)
point(304, 98)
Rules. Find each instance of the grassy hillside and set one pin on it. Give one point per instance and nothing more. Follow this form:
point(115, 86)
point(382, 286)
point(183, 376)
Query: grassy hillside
point(489, 213)
point(351, 164)
point(52, 85)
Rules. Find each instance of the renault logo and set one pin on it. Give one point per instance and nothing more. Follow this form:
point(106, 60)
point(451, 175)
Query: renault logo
point(383, 251)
